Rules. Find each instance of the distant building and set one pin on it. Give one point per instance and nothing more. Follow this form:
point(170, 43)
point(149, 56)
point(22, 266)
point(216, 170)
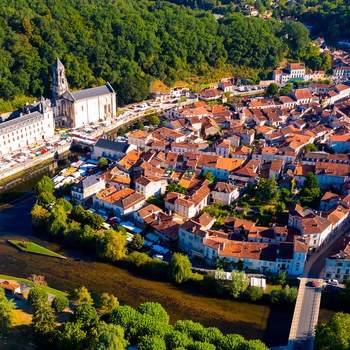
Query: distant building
point(338, 261)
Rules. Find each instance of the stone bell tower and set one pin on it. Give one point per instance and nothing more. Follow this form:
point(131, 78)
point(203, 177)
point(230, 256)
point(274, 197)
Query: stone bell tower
point(59, 81)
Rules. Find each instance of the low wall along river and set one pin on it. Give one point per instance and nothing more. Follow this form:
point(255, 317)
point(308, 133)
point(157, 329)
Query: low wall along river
point(251, 321)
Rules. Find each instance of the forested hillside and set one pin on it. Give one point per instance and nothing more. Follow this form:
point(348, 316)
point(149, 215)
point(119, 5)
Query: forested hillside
point(131, 43)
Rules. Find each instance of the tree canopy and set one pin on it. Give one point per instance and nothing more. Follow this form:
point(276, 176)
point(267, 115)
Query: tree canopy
point(132, 43)
point(111, 245)
point(180, 268)
point(334, 335)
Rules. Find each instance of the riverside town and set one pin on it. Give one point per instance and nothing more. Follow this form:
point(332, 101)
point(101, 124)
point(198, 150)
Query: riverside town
point(174, 175)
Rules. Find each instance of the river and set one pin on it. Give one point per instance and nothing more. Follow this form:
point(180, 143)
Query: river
point(250, 320)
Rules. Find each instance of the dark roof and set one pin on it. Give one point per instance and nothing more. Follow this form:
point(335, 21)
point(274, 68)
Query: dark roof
point(92, 92)
point(114, 146)
point(87, 182)
point(17, 120)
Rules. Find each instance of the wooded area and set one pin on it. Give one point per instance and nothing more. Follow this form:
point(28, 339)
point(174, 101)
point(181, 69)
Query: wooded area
point(131, 43)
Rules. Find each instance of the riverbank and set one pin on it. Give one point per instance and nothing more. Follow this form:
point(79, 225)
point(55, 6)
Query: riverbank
point(250, 320)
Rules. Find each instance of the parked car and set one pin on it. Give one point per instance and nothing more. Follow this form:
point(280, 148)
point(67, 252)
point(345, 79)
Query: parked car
point(158, 256)
point(333, 282)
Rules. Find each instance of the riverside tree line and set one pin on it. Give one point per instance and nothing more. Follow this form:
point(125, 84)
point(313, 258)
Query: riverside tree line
point(81, 229)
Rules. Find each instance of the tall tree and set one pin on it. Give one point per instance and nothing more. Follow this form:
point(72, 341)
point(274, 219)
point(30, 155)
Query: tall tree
point(7, 315)
point(44, 185)
point(37, 296)
point(43, 323)
point(82, 295)
point(111, 337)
point(111, 245)
point(108, 302)
point(268, 192)
point(137, 242)
point(239, 283)
point(40, 216)
point(180, 268)
point(334, 335)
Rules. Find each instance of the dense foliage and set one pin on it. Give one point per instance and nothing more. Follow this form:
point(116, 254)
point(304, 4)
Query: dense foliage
point(333, 335)
point(132, 43)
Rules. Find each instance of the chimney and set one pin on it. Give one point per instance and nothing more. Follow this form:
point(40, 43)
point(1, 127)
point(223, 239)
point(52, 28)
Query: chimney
point(158, 220)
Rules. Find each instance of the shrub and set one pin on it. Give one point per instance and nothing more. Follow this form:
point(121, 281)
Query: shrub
point(60, 303)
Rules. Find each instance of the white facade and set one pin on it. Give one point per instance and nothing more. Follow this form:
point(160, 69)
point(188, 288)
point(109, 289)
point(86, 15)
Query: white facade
point(25, 131)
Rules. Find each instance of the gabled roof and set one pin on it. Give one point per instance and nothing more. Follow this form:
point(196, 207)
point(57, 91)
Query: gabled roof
point(114, 146)
point(92, 92)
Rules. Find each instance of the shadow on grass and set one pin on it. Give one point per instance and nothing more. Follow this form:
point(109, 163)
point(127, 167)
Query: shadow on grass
point(21, 338)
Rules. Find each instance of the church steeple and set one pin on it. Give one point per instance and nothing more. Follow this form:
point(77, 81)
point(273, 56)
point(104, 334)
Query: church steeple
point(59, 81)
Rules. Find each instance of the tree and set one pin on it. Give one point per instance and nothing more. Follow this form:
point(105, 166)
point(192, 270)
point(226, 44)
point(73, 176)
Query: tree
point(310, 147)
point(282, 278)
point(151, 343)
point(111, 337)
point(71, 336)
point(285, 297)
point(180, 268)
point(121, 131)
point(272, 89)
point(65, 204)
point(175, 187)
point(103, 163)
point(139, 259)
point(268, 191)
point(82, 295)
point(280, 207)
point(7, 315)
point(140, 125)
point(57, 221)
point(44, 185)
point(108, 302)
point(154, 120)
point(334, 335)
point(37, 295)
point(45, 199)
point(310, 190)
point(201, 346)
point(40, 216)
point(175, 339)
point(231, 341)
point(137, 242)
point(288, 87)
point(209, 176)
point(239, 283)
point(43, 323)
point(111, 245)
point(59, 303)
point(155, 310)
point(254, 293)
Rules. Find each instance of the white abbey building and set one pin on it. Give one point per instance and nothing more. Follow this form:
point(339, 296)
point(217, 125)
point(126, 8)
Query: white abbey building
point(69, 109)
point(76, 109)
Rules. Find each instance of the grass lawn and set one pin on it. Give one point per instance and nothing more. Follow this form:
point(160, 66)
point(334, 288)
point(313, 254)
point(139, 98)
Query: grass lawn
point(45, 288)
point(34, 248)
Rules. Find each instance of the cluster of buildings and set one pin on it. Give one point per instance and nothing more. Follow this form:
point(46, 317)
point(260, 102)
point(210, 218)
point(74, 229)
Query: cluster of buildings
point(296, 72)
point(254, 139)
point(66, 108)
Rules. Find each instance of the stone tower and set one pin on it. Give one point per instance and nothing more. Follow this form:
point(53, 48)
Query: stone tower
point(59, 81)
